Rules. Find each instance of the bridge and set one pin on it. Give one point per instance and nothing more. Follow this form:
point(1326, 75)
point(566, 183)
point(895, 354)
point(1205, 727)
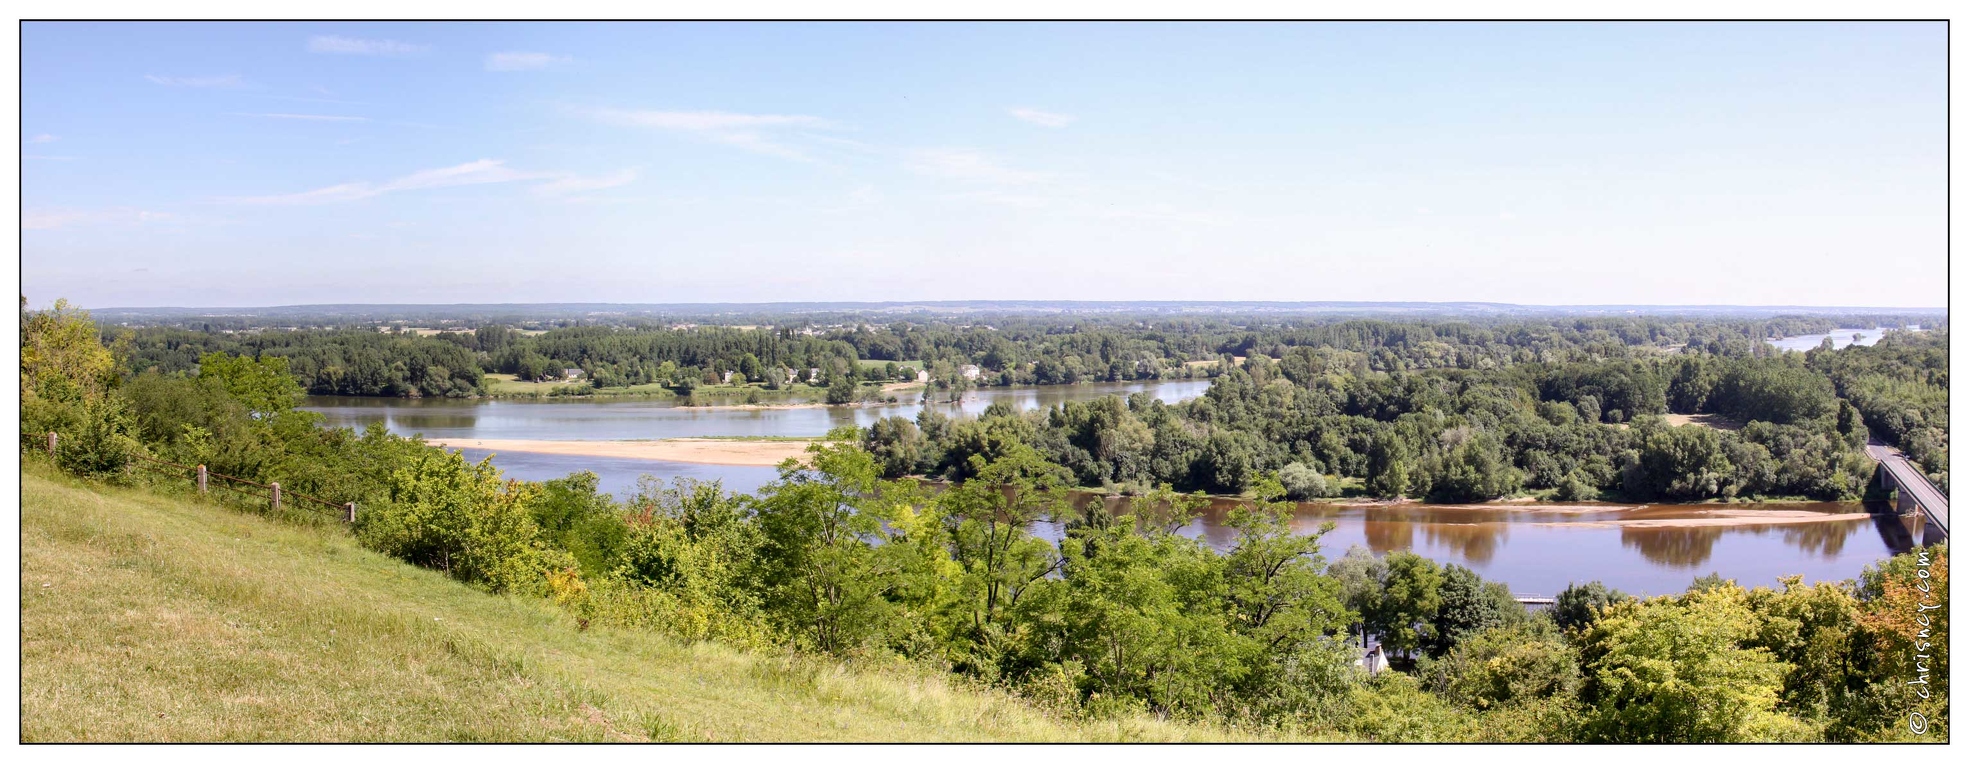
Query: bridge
point(1915, 492)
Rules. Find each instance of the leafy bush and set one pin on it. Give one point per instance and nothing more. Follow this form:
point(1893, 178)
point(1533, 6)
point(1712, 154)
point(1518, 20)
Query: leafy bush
point(1303, 483)
point(446, 513)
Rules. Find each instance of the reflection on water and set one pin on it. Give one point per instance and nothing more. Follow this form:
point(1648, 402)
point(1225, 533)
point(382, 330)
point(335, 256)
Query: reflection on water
point(1537, 550)
point(1675, 547)
point(576, 419)
point(1475, 542)
point(1384, 536)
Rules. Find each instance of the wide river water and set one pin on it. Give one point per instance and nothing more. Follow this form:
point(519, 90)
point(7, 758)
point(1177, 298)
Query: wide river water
point(1840, 338)
point(1536, 550)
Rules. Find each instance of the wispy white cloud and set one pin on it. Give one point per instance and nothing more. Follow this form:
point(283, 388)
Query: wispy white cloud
point(306, 99)
point(216, 81)
point(468, 174)
point(360, 47)
point(1043, 118)
point(43, 138)
point(969, 166)
point(579, 184)
point(481, 172)
point(52, 218)
point(518, 61)
point(750, 132)
point(305, 117)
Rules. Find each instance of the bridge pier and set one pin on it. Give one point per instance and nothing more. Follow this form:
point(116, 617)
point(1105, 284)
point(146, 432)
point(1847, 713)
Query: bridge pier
point(1913, 493)
point(1930, 534)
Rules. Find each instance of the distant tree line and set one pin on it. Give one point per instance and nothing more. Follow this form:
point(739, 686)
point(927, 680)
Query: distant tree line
point(1020, 350)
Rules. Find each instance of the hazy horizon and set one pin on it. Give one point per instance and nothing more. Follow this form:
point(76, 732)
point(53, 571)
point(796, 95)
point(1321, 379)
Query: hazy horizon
point(1536, 164)
point(1284, 304)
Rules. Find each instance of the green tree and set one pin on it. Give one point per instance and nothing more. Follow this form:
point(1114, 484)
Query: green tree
point(1477, 469)
point(841, 390)
point(68, 381)
point(1362, 578)
point(573, 514)
point(817, 575)
point(1581, 604)
point(1277, 593)
point(989, 514)
point(1132, 618)
point(1524, 662)
point(263, 384)
point(1676, 670)
point(1469, 604)
point(1388, 466)
point(896, 444)
point(1302, 482)
point(1405, 614)
point(60, 349)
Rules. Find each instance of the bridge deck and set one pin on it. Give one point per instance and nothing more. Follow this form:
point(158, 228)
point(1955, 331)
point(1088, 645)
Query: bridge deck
point(1910, 479)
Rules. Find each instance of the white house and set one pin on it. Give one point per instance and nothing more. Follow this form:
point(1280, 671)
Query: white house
point(969, 370)
point(571, 373)
point(922, 376)
point(1373, 661)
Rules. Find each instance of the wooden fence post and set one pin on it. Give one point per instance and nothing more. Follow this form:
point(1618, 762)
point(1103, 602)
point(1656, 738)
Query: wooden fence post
point(201, 478)
point(276, 495)
point(352, 512)
point(51, 444)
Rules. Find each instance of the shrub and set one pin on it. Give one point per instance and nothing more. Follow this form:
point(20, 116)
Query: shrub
point(1302, 482)
point(447, 513)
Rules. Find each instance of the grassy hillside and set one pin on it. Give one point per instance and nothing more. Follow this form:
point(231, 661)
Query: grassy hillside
point(153, 618)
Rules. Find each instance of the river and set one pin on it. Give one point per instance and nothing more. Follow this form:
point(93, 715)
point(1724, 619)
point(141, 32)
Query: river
point(1536, 550)
point(1840, 338)
point(604, 419)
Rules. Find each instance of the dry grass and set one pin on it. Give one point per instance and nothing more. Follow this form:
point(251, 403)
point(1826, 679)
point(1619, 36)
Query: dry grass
point(152, 618)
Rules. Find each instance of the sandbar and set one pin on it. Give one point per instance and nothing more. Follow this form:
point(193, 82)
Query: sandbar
point(1722, 517)
point(737, 453)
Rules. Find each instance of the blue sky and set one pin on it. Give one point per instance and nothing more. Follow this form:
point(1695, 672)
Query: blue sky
point(266, 164)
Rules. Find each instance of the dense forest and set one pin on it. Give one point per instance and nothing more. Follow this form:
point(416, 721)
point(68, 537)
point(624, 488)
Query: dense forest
point(1124, 614)
point(1319, 419)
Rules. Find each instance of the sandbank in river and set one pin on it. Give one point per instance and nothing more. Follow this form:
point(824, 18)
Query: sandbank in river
point(737, 453)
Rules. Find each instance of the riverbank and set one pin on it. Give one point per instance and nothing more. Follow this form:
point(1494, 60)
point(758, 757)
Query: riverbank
point(723, 451)
point(503, 387)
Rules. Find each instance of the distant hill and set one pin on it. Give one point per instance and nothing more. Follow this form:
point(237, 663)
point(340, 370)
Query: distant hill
point(728, 312)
